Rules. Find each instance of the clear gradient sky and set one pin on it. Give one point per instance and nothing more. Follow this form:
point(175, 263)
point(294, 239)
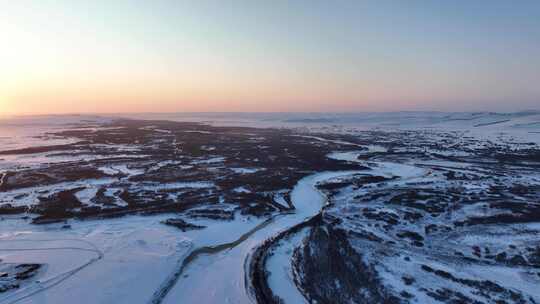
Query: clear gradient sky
point(68, 56)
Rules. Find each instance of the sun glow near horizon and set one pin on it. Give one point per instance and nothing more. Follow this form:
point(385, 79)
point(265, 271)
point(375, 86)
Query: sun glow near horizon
point(130, 56)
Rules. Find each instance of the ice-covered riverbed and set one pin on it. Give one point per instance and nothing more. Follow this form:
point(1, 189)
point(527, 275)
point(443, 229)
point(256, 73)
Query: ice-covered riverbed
point(220, 277)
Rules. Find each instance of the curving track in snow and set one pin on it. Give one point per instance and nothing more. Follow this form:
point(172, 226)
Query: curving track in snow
point(42, 285)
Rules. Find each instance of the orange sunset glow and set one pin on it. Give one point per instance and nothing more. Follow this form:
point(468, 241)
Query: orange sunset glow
point(96, 57)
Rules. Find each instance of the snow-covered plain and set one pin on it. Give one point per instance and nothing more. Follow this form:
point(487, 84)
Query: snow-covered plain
point(128, 259)
point(96, 261)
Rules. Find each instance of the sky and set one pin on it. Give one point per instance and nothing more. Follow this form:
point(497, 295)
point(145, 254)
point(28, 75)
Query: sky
point(100, 56)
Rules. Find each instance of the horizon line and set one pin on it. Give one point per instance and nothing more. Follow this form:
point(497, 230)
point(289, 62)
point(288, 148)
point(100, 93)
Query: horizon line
point(260, 112)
